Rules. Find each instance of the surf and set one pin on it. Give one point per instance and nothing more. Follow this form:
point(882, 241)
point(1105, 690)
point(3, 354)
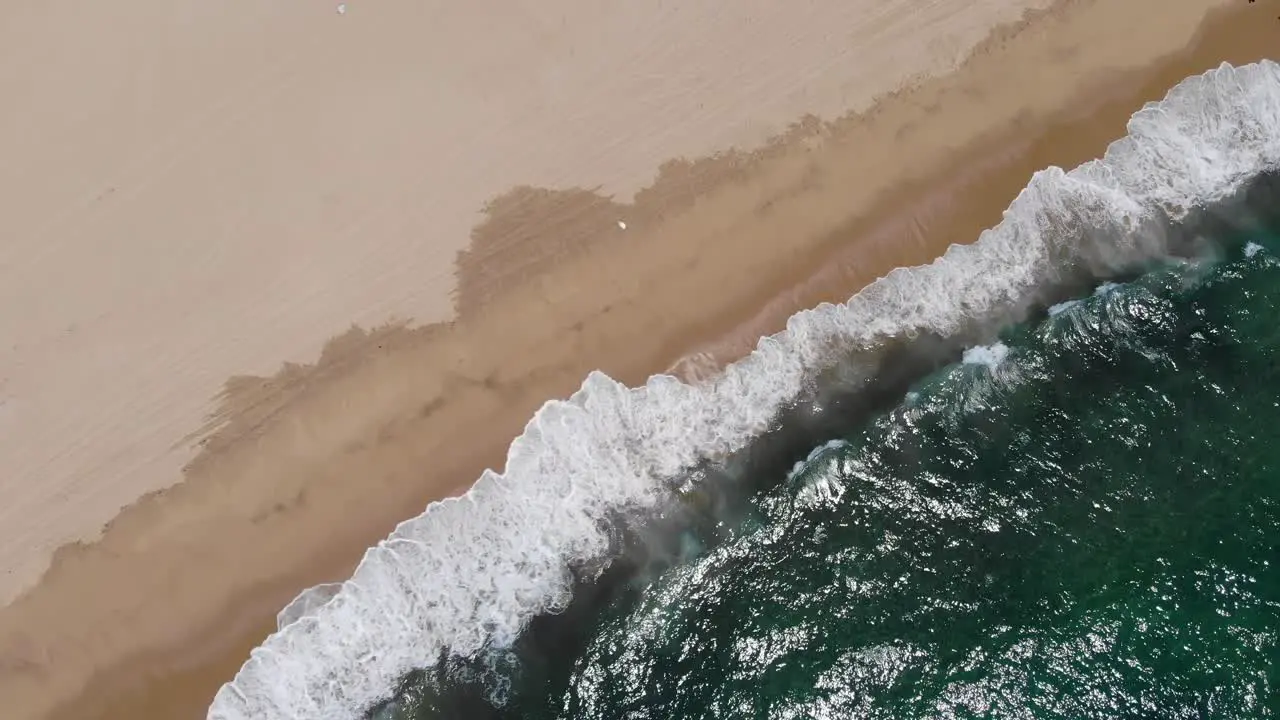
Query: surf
point(470, 572)
point(1080, 530)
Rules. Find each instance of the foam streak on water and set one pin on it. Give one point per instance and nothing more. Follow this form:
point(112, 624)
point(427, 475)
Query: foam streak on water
point(988, 355)
point(475, 569)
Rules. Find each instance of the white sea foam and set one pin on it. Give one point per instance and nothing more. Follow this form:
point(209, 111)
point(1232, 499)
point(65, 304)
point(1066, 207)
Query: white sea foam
point(814, 455)
point(989, 355)
point(1252, 249)
point(1062, 307)
point(475, 569)
point(306, 604)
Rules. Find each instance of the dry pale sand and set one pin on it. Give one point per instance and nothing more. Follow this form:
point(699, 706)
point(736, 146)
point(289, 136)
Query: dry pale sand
point(192, 190)
point(303, 469)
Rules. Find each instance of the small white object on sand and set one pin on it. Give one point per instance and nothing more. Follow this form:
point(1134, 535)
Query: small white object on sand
point(622, 225)
point(342, 9)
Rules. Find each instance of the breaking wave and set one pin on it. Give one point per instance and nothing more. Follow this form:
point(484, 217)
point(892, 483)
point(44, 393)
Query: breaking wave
point(470, 572)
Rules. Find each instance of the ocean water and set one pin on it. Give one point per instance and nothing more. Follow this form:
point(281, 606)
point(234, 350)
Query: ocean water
point(1031, 479)
point(1082, 521)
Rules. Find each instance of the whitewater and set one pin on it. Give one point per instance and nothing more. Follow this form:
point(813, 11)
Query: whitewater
point(470, 572)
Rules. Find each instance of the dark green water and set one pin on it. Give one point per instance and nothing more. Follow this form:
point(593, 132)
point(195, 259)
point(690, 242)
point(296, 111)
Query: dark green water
point(1088, 530)
point(1079, 521)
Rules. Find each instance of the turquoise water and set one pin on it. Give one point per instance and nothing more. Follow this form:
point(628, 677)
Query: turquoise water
point(1081, 521)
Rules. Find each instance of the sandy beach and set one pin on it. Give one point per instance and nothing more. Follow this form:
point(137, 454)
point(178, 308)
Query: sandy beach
point(287, 190)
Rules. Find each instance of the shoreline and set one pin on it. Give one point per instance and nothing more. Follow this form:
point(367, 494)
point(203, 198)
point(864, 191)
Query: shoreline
point(791, 280)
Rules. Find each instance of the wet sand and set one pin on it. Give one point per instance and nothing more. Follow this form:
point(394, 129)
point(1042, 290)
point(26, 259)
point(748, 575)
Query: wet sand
point(192, 190)
point(306, 468)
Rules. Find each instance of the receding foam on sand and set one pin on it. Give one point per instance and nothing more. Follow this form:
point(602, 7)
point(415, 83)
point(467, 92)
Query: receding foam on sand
point(309, 467)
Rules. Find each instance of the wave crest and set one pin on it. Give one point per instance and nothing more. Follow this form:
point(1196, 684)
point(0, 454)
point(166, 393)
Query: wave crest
point(473, 570)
